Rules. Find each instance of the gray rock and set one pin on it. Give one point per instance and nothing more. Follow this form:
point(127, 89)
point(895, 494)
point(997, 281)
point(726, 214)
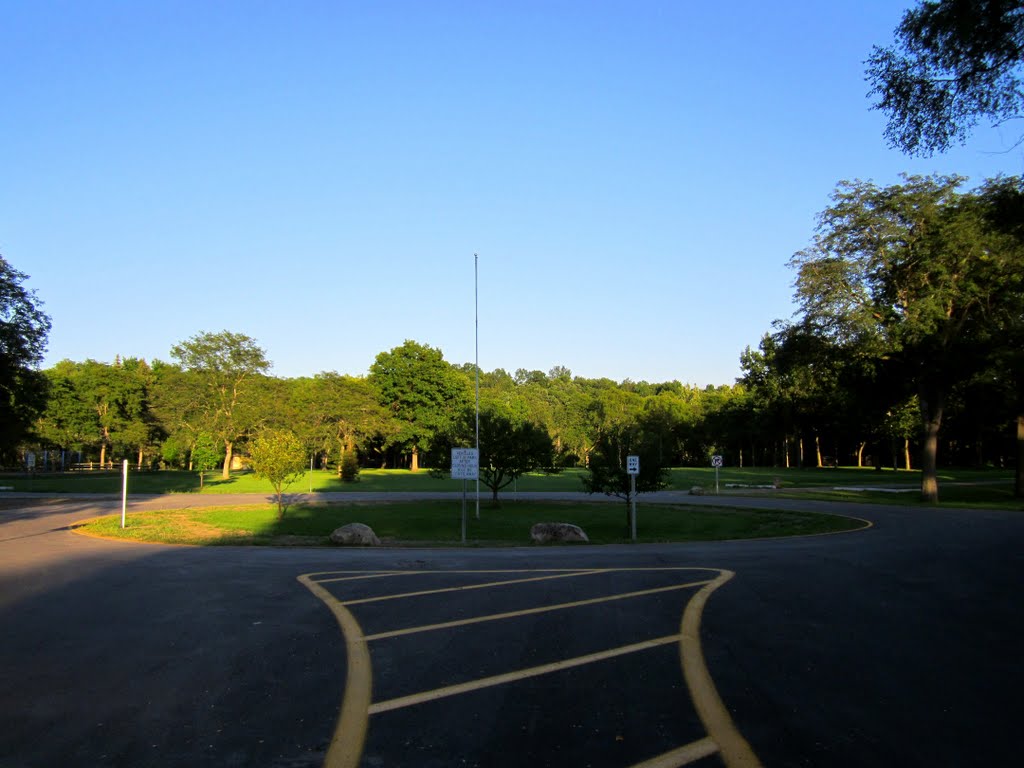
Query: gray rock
point(697, 490)
point(355, 534)
point(544, 532)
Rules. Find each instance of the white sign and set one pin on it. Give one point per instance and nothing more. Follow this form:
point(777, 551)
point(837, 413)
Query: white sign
point(465, 463)
point(632, 465)
point(716, 461)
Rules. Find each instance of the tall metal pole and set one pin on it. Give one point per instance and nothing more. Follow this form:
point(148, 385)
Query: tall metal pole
point(476, 365)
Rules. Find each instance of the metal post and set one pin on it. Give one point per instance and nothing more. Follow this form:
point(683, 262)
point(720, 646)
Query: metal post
point(632, 495)
point(124, 492)
point(463, 511)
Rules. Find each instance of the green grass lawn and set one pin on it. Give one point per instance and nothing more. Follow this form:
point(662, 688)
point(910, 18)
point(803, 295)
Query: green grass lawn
point(439, 523)
point(995, 486)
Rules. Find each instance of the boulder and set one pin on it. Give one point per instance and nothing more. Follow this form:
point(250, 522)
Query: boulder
point(697, 490)
point(544, 532)
point(355, 535)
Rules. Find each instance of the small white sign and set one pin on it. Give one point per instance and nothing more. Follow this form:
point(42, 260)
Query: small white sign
point(632, 465)
point(465, 463)
point(716, 461)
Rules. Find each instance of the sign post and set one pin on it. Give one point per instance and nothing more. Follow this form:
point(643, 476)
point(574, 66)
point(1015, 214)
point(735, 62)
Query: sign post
point(716, 462)
point(465, 467)
point(124, 491)
point(633, 469)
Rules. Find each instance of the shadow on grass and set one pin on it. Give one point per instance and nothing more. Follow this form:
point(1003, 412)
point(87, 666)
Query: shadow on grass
point(439, 523)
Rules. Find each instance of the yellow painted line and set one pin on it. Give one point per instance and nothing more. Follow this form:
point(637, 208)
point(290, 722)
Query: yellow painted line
point(422, 572)
point(512, 677)
point(735, 751)
point(530, 611)
point(379, 575)
point(346, 747)
point(468, 587)
point(677, 758)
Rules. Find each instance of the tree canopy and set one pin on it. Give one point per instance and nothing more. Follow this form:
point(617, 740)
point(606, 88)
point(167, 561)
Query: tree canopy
point(24, 329)
point(225, 365)
point(954, 63)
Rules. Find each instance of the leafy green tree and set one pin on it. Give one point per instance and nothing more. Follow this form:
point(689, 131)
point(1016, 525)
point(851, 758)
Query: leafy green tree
point(421, 390)
point(955, 62)
point(509, 448)
point(24, 328)
point(205, 455)
point(606, 472)
point(280, 457)
point(226, 366)
point(910, 270)
point(67, 421)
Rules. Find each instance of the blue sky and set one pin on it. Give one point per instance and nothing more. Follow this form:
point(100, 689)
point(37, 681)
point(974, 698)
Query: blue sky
point(318, 175)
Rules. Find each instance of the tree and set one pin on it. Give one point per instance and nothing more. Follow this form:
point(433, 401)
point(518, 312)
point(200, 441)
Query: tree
point(607, 468)
point(913, 271)
point(509, 448)
point(421, 390)
point(225, 364)
point(955, 62)
point(205, 455)
point(280, 457)
point(24, 328)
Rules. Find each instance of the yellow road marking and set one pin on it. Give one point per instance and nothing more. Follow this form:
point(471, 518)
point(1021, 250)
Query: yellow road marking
point(529, 611)
point(522, 674)
point(346, 747)
point(468, 587)
point(677, 758)
point(735, 751)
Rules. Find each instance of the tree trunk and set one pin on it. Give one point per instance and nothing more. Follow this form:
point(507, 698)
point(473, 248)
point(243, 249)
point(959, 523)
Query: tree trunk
point(103, 455)
point(906, 453)
point(226, 471)
point(415, 459)
point(800, 455)
point(817, 450)
point(139, 465)
point(860, 455)
point(931, 418)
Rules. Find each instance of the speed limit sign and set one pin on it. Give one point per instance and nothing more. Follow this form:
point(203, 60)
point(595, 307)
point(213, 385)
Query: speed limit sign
point(716, 461)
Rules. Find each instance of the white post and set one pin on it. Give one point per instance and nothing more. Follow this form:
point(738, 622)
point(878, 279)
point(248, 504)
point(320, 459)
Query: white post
point(124, 491)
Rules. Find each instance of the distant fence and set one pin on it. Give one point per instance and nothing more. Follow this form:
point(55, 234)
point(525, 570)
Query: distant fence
point(95, 466)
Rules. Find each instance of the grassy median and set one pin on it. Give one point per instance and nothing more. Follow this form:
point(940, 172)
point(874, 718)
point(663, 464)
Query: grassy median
point(432, 523)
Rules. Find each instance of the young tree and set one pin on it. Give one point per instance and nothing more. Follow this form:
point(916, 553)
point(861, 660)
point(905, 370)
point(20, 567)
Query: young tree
point(24, 328)
point(226, 365)
point(607, 468)
point(955, 62)
point(510, 448)
point(280, 457)
point(205, 455)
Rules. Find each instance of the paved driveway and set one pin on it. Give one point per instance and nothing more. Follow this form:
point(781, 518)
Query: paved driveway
point(896, 646)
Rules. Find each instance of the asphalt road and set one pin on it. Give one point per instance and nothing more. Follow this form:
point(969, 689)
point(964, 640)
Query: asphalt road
point(895, 646)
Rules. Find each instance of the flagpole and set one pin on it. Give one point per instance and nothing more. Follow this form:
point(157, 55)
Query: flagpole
point(476, 365)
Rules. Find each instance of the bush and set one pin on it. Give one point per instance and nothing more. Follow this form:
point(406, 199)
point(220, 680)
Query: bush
point(349, 467)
